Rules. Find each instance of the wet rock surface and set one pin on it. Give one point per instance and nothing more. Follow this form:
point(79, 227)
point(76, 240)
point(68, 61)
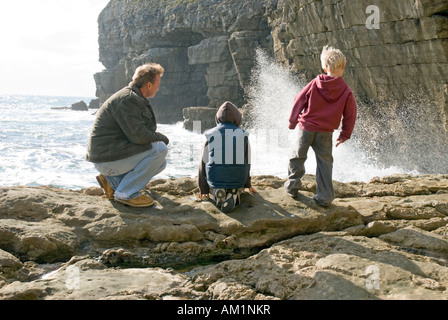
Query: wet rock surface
point(386, 239)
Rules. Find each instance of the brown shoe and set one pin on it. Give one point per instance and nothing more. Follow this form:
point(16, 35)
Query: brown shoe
point(141, 202)
point(107, 189)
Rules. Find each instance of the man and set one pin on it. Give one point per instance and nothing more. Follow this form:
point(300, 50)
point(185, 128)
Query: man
point(124, 145)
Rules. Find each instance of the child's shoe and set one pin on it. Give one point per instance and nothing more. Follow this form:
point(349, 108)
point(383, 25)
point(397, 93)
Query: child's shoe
point(219, 195)
point(232, 200)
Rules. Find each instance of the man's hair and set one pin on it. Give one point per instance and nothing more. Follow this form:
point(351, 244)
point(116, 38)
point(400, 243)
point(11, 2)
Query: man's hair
point(332, 59)
point(147, 73)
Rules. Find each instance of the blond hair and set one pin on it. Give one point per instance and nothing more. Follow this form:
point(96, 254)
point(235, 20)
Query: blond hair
point(332, 59)
point(147, 73)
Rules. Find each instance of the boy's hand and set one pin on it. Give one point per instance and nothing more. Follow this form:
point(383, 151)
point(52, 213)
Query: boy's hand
point(339, 141)
point(203, 197)
point(252, 191)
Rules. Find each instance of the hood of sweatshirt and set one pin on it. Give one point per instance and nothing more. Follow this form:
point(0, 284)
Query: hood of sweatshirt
point(228, 112)
point(331, 88)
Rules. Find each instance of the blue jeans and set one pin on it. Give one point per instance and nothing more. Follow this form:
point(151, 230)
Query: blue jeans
point(131, 175)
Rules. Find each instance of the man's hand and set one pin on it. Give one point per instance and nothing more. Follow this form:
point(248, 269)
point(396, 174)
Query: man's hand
point(164, 138)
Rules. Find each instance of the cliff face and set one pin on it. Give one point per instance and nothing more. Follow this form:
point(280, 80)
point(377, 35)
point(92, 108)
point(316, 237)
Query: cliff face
point(207, 47)
point(405, 53)
point(397, 69)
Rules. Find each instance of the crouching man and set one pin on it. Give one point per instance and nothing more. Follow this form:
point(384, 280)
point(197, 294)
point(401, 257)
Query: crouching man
point(124, 144)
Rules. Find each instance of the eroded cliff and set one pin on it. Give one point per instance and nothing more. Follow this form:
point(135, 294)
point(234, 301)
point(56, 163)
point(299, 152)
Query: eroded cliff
point(208, 47)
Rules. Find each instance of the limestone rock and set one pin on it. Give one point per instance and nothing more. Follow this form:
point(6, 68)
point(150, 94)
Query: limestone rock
point(397, 72)
point(54, 241)
point(418, 240)
point(376, 57)
point(204, 117)
point(327, 266)
point(9, 264)
point(94, 104)
point(81, 280)
point(206, 48)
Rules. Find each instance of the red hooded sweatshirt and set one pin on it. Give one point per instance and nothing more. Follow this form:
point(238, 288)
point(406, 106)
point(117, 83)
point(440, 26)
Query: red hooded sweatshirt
point(321, 105)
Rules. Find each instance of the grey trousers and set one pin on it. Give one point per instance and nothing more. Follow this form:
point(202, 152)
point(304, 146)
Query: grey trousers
point(322, 144)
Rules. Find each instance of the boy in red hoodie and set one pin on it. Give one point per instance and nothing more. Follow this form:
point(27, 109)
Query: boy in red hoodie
point(318, 110)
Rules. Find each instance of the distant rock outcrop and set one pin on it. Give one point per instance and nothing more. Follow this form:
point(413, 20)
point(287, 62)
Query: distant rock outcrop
point(203, 116)
point(94, 104)
point(387, 239)
point(406, 52)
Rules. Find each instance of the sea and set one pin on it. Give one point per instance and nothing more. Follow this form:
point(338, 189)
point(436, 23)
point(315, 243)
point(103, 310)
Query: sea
point(44, 142)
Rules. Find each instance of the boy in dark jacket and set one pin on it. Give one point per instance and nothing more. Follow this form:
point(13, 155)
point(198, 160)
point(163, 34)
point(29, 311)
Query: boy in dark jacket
point(318, 110)
point(224, 170)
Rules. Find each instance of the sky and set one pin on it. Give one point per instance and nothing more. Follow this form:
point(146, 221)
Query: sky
point(49, 47)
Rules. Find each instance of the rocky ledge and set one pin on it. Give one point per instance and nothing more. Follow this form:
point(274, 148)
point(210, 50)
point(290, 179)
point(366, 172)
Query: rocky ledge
point(386, 239)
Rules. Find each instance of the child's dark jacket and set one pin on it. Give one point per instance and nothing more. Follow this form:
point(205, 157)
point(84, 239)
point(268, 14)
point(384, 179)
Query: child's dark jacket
point(225, 165)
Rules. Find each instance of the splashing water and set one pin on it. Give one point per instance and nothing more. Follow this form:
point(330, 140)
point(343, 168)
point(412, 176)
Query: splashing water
point(40, 145)
point(383, 142)
point(403, 132)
